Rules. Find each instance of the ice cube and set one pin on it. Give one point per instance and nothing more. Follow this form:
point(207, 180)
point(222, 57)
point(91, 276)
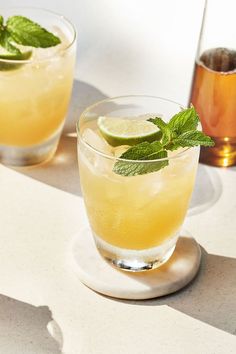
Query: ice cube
point(98, 164)
point(219, 59)
point(96, 141)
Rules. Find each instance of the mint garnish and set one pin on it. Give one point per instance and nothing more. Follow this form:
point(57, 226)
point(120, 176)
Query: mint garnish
point(6, 43)
point(180, 131)
point(142, 151)
point(185, 120)
point(23, 31)
point(189, 139)
point(26, 32)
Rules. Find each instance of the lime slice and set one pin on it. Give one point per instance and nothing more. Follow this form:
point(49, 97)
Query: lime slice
point(17, 57)
point(120, 131)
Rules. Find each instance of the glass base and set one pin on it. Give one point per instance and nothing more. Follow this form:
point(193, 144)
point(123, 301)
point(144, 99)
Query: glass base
point(223, 154)
point(99, 275)
point(29, 155)
point(136, 260)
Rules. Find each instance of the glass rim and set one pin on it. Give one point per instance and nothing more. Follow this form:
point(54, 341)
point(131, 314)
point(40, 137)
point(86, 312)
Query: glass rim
point(55, 14)
point(114, 158)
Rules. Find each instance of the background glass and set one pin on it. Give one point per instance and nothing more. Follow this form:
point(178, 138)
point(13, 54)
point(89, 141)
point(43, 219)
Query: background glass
point(214, 84)
point(34, 94)
point(135, 220)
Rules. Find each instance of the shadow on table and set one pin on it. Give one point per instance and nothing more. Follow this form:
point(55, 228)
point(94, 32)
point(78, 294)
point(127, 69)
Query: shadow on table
point(62, 171)
point(24, 328)
point(210, 297)
point(207, 191)
point(233, 168)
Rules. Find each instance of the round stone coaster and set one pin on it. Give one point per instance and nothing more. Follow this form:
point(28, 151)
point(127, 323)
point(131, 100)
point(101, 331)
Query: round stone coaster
point(102, 277)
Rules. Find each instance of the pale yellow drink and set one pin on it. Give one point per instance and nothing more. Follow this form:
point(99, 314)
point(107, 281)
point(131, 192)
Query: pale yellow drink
point(35, 93)
point(135, 219)
point(34, 101)
point(138, 212)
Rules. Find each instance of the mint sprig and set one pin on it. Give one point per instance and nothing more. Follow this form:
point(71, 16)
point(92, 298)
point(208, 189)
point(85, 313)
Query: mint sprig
point(180, 131)
point(23, 31)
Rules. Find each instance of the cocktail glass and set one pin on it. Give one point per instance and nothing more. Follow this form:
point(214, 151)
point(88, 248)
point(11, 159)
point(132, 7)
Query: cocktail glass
point(135, 220)
point(34, 93)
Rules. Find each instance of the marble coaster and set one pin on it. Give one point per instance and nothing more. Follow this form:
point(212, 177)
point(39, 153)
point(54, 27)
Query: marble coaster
point(102, 277)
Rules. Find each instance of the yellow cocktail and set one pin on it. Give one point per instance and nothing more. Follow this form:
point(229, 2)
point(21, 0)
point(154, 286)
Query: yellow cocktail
point(135, 220)
point(34, 95)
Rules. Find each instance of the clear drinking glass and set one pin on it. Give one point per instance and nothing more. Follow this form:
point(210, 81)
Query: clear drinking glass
point(135, 220)
point(214, 84)
point(34, 93)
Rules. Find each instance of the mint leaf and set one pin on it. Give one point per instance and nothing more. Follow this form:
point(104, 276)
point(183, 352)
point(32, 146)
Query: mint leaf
point(181, 130)
point(184, 121)
point(164, 128)
point(142, 151)
point(6, 43)
point(191, 138)
point(26, 32)
point(159, 122)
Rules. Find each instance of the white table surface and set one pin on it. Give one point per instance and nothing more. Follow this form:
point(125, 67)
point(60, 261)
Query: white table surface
point(120, 51)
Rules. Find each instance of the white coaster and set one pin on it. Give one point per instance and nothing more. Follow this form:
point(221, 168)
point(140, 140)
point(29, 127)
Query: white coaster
point(102, 277)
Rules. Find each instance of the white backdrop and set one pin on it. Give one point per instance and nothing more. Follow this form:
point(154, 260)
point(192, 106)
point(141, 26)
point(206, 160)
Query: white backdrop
point(132, 46)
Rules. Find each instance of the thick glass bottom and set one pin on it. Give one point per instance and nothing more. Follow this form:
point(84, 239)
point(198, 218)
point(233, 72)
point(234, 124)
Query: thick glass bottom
point(29, 155)
point(223, 154)
point(136, 260)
